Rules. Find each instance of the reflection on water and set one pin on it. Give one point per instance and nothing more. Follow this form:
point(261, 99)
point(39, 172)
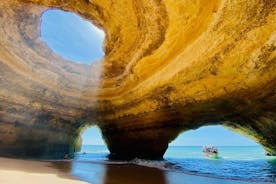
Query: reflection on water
point(93, 173)
point(239, 163)
point(102, 173)
point(130, 174)
point(98, 173)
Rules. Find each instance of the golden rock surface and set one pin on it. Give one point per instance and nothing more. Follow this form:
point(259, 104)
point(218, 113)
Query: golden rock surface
point(169, 66)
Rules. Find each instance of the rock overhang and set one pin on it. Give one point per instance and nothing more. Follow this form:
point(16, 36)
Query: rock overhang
point(169, 66)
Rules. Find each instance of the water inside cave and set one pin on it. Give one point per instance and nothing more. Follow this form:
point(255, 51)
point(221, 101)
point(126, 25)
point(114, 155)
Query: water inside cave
point(240, 157)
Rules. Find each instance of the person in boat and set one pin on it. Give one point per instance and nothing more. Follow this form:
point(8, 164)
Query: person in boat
point(210, 152)
point(214, 150)
point(209, 149)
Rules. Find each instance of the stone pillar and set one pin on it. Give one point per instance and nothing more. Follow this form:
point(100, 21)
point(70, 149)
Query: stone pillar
point(142, 143)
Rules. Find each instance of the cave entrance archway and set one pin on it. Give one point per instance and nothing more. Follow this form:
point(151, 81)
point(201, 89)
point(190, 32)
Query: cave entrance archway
point(239, 156)
point(215, 135)
point(93, 145)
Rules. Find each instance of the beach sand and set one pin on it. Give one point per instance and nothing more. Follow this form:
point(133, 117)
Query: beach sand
point(13, 171)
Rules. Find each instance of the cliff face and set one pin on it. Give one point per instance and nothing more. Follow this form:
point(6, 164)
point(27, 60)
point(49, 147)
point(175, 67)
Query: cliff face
point(169, 66)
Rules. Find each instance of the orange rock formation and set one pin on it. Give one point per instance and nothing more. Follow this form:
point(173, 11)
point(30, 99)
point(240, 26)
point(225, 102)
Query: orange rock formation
point(169, 66)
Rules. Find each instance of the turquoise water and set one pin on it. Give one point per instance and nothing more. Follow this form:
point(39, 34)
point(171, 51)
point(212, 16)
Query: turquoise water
point(239, 163)
point(245, 163)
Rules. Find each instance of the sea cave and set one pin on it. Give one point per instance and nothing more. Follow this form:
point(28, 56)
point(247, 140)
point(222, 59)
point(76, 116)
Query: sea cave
point(167, 67)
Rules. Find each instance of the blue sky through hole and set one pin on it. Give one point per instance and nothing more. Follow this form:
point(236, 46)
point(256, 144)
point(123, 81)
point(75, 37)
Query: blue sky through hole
point(78, 40)
point(215, 135)
point(71, 36)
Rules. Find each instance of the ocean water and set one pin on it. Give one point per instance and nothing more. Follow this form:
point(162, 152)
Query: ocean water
point(235, 163)
point(242, 163)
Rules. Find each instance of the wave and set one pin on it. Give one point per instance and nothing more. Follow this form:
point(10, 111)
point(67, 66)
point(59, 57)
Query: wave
point(256, 171)
point(160, 164)
point(171, 166)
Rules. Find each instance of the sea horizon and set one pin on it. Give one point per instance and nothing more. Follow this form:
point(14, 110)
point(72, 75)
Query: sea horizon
point(187, 145)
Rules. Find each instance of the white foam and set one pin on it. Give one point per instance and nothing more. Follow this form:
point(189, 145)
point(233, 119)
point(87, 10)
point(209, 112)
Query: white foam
point(164, 165)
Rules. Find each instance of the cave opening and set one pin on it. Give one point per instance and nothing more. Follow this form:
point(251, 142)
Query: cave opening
point(71, 36)
point(238, 156)
point(215, 135)
point(93, 145)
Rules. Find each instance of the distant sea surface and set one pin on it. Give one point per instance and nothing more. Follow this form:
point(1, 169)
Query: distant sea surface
point(247, 163)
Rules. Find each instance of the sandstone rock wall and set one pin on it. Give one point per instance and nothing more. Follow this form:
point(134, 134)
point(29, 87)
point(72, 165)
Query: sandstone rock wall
point(169, 66)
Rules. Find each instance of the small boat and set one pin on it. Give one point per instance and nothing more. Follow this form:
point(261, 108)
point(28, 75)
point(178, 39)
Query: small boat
point(210, 152)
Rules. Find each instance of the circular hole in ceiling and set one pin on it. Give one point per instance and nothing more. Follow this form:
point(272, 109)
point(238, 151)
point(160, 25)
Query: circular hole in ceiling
point(71, 36)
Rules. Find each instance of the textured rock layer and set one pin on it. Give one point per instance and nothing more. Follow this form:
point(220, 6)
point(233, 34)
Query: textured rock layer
point(169, 66)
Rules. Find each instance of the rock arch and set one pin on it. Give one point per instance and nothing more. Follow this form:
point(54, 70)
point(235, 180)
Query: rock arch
point(169, 66)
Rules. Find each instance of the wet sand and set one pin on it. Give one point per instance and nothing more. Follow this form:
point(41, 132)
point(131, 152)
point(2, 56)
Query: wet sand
point(14, 171)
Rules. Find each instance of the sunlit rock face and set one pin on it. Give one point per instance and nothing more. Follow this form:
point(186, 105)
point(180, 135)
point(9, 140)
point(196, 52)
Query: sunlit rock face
point(169, 66)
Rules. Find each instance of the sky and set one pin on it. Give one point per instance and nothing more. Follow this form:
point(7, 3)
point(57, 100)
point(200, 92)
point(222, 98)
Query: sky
point(216, 135)
point(78, 40)
point(92, 136)
point(71, 36)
